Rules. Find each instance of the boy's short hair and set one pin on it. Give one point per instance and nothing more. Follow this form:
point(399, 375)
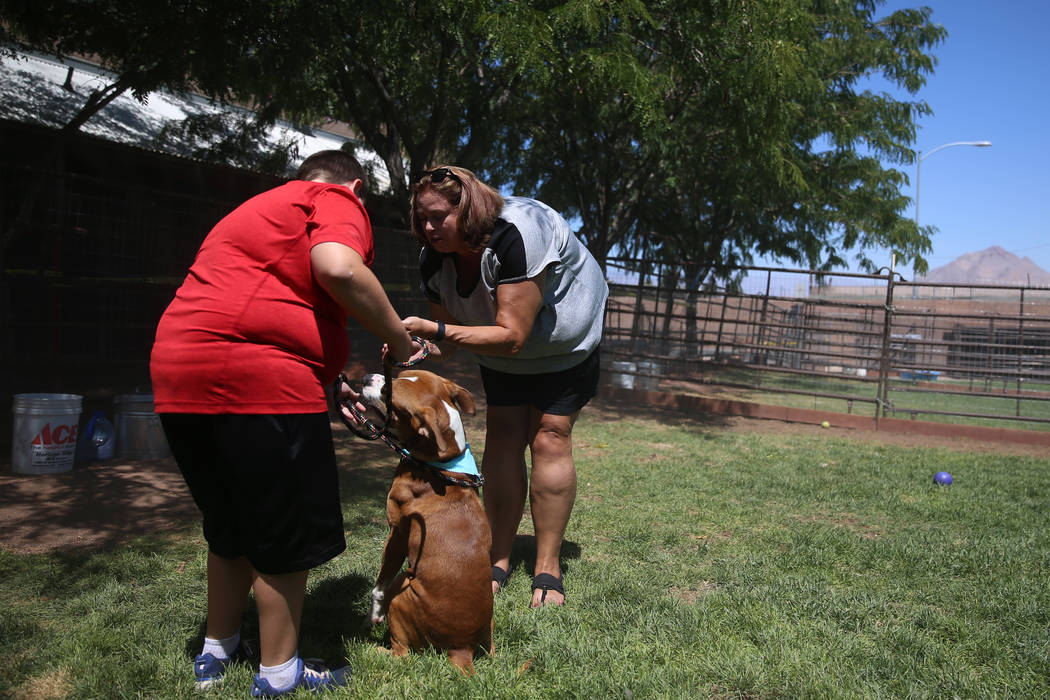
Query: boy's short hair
point(332, 166)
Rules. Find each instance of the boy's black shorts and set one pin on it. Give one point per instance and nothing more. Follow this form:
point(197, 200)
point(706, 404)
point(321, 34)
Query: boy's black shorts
point(267, 486)
point(555, 393)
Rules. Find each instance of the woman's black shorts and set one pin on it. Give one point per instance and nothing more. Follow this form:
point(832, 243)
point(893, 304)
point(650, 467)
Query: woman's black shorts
point(556, 393)
point(267, 486)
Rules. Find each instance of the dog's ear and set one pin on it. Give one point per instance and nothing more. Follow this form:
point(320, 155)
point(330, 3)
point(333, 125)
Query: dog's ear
point(424, 432)
point(431, 429)
point(462, 398)
point(446, 449)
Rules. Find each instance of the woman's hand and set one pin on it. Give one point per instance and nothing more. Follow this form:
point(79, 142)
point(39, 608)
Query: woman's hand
point(420, 351)
point(440, 348)
point(422, 327)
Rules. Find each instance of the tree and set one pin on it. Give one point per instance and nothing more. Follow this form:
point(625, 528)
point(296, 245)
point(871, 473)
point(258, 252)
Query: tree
point(707, 132)
point(779, 146)
point(764, 139)
point(590, 106)
point(442, 81)
point(416, 81)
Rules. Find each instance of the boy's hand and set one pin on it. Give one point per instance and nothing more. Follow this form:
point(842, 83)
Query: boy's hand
point(345, 394)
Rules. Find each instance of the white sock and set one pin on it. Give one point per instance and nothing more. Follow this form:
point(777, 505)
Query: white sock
point(282, 675)
point(221, 648)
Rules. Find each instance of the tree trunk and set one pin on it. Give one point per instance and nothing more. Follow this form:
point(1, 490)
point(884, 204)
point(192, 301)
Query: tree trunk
point(638, 318)
point(670, 282)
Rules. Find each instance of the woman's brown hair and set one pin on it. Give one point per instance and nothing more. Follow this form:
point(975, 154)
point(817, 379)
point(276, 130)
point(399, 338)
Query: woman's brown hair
point(477, 205)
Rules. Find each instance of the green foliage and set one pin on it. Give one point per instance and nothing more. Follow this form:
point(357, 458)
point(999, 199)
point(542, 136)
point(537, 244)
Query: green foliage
point(708, 133)
point(701, 132)
point(583, 117)
point(783, 153)
point(228, 139)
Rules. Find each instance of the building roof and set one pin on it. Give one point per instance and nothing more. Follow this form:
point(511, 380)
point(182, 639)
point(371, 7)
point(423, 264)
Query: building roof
point(33, 89)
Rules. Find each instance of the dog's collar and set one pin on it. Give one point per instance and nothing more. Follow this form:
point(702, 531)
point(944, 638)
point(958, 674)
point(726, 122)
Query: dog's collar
point(464, 464)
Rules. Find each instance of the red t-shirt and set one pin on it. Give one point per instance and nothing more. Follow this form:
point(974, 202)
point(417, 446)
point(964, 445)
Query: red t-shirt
point(250, 330)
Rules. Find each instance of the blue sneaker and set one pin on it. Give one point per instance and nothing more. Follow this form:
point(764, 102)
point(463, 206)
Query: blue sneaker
point(209, 671)
point(311, 675)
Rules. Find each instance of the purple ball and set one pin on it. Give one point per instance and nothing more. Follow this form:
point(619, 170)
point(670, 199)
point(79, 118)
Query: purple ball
point(942, 478)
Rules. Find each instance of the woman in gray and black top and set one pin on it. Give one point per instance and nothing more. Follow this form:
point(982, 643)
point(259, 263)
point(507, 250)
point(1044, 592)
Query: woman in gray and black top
point(509, 282)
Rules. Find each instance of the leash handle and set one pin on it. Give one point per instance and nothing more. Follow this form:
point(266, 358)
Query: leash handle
point(424, 354)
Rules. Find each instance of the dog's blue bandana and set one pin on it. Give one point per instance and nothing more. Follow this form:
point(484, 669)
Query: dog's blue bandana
point(464, 464)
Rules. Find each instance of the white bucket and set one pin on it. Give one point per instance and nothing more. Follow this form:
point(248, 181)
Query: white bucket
point(648, 378)
point(621, 374)
point(139, 432)
point(44, 440)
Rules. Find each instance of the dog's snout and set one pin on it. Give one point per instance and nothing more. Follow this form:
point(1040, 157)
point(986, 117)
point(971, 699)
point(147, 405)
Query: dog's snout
point(372, 379)
point(372, 389)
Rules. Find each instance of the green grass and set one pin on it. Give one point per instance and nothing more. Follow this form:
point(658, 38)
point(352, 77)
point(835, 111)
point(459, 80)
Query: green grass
point(699, 562)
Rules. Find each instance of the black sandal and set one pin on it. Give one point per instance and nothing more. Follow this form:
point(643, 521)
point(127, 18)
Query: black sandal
point(500, 576)
point(547, 582)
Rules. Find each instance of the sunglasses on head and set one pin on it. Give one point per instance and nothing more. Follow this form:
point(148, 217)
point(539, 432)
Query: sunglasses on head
point(439, 175)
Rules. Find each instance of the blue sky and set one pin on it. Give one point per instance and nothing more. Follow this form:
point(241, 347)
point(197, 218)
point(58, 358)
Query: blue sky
point(991, 83)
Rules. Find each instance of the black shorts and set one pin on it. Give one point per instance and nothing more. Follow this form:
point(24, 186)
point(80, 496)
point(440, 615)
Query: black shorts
point(267, 486)
point(556, 393)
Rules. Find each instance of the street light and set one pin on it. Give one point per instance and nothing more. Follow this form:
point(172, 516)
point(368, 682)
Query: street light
point(927, 154)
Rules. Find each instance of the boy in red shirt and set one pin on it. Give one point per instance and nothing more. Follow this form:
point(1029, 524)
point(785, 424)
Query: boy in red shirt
point(239, 366)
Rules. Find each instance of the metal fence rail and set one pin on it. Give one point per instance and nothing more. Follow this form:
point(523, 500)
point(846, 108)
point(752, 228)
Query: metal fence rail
point(846, 340)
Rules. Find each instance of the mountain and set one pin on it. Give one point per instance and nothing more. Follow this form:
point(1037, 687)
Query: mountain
point(990, 266)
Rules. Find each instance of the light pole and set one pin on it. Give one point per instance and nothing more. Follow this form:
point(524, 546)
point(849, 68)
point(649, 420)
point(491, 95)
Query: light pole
point(927, 154)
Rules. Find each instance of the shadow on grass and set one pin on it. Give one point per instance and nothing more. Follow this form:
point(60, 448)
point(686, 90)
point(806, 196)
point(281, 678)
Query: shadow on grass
point(94, 507)
point(335, 610)
point(365, 473)
point(610, 409)
point(523, 555)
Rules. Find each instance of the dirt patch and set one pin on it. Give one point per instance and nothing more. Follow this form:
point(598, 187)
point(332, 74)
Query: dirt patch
point(93, 506)
point(898, 433)
point(883, 437)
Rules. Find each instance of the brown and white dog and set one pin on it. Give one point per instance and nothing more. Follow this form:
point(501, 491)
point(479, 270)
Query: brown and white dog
point(443, 599)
